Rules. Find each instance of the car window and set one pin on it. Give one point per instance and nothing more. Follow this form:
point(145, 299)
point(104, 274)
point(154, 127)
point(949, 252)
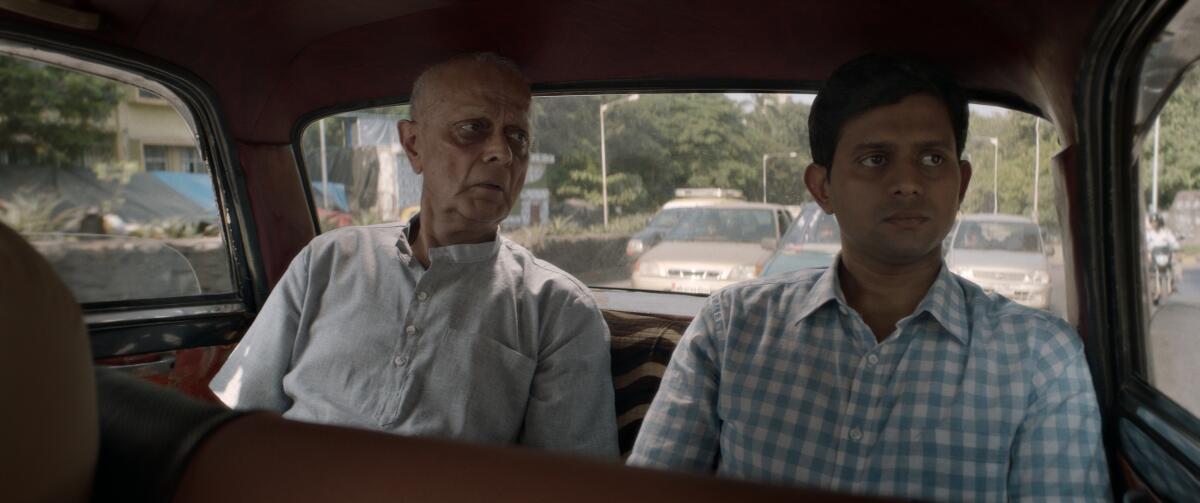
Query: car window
point(1170, 221)
point(724, 224)
point(671, 158)
point(105, 179)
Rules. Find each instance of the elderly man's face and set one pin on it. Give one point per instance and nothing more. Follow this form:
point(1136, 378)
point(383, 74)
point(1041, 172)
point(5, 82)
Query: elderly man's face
point(471, 143)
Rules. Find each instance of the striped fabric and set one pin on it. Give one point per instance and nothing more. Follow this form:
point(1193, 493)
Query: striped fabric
point(641, 348)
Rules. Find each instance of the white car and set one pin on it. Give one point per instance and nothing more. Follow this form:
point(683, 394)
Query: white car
point(711, 247)
point(686, 199)
point(1003, 254)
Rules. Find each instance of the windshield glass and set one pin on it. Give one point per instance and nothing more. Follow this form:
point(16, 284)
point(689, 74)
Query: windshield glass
point(724, 224)
point(817, 228)
point(666, 218)
point(998, 236)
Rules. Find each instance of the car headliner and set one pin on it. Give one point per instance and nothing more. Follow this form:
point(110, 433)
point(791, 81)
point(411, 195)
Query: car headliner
point(274, 63)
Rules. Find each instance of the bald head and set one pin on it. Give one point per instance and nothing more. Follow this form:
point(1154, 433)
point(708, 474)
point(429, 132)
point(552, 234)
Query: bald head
point(488, 67)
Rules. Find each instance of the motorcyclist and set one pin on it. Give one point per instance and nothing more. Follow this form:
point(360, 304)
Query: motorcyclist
point(1158, 235)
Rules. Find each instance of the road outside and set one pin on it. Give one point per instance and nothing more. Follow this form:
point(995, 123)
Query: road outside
point(1174, 348)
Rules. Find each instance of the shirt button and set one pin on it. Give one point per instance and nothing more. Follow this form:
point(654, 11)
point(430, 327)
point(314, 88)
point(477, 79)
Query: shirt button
point(872, 359)
point(422, 296)
point(855, 435)
point(400, 361)
point(410, 330)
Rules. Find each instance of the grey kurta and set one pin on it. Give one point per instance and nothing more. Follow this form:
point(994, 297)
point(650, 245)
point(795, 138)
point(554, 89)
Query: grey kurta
point(490, 344)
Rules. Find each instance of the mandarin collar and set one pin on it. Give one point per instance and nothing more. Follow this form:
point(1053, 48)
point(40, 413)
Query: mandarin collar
point(459, 254)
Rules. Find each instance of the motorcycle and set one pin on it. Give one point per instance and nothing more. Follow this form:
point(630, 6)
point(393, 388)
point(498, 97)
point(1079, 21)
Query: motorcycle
point(1164, 278)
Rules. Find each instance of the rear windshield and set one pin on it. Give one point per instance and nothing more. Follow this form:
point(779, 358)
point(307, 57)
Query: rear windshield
point(998, 236)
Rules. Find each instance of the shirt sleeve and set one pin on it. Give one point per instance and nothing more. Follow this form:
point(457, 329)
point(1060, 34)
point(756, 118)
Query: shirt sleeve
point(571, 406)
point(252, 377)
point(682, 429)
point(1058, 453)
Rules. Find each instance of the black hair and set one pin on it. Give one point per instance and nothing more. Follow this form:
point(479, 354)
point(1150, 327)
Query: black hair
point(872, 81)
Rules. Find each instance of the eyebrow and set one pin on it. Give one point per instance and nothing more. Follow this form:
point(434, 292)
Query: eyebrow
point(887, 145)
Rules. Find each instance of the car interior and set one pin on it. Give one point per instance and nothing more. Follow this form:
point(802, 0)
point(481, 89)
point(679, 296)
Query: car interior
point(248, 84)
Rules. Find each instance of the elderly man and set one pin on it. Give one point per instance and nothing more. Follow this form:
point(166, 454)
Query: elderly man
point(439, 327)
point(884, 374)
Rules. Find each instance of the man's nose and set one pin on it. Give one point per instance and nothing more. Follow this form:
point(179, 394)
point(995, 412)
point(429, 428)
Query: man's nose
point(497, 150)
point(905, 179)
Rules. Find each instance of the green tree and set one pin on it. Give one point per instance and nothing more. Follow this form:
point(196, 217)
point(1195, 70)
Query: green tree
point(52, 116)
point(1015, 133)
point(1179, 153)
point(654, 145)
point(776, 125)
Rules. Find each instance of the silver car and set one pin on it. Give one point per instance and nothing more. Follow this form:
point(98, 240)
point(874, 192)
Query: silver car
point(1003, 254)
point(712, 247)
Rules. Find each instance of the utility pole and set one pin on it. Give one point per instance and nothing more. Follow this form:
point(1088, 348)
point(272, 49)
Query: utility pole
point(604, 154)
point(995, 176)
point(1154, 173)
point(1037, 162)
point(324, 167)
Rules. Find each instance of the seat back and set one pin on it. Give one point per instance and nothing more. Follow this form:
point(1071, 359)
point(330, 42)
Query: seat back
point(641, 347)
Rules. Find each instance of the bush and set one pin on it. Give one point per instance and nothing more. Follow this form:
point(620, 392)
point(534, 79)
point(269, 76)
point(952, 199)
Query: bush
point(28, 213)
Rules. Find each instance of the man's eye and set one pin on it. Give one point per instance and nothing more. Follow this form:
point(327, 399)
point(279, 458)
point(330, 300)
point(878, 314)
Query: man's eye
point(520, 137)
point(471, 127)
point(932, 159)
point(872, 161)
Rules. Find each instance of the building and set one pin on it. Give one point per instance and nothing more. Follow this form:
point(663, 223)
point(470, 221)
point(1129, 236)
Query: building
point(150, 132)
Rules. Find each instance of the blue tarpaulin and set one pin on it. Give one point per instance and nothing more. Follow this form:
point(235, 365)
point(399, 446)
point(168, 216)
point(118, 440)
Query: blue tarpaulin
point(337, 195)
point(198, 188)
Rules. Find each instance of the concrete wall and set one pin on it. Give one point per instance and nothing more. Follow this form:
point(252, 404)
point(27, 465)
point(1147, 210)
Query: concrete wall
point(114, 269)
point(591, 258)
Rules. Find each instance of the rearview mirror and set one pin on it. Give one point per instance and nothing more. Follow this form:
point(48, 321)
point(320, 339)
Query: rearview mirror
point(770, 243)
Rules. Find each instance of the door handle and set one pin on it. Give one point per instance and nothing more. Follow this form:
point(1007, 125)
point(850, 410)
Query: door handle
point(162, 365)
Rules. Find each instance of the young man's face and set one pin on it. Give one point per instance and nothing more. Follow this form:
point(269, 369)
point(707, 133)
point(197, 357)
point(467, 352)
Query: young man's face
point(896, 182)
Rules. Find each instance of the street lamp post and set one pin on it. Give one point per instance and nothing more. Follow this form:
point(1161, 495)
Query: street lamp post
point(1037, 162)
point(1154, 173)
point(764, 163)
point(604, 154)
point(324, 167)
point(995, 175)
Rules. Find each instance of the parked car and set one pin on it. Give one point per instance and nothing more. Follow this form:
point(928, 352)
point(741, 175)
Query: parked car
point(812, 240)
point(673, 211)
point(1003, 254)
point(711, 247)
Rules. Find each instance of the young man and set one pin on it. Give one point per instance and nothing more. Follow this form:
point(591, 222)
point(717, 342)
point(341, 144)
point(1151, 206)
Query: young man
point(439, 327)
point(884, 374)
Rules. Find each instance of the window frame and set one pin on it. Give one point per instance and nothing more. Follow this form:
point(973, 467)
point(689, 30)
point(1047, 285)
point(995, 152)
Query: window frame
point(196, 103)
point(1108, 241)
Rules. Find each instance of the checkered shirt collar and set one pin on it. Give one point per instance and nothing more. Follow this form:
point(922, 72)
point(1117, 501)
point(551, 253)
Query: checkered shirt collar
point(944, 300)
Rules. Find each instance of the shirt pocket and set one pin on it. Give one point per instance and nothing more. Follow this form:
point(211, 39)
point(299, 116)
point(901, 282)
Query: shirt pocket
point(482, 384)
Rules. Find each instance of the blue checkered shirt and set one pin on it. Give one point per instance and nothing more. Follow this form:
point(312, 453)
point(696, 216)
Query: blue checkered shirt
point(971, 398)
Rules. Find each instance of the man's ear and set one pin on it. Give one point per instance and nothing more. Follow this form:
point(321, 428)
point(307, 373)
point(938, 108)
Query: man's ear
point(816, 178)
point(964, 169)
point(408, 138)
